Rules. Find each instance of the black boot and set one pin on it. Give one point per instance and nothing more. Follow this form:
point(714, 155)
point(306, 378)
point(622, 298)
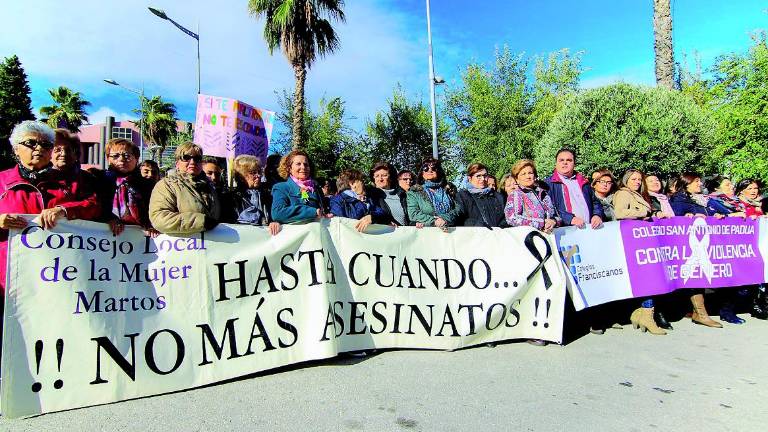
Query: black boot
point(760, 305)
point(661, 321)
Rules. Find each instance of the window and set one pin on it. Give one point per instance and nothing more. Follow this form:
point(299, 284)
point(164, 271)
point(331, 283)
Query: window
point(120, 132)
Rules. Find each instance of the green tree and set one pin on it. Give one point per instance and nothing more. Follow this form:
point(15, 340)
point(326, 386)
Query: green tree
point(158, 123)
point(68, 109)
point(15, 104)
point(402, 133)
point(327, 135)
point(624, 126)
point(739, 94)
point(300, 29)
point(499, 114)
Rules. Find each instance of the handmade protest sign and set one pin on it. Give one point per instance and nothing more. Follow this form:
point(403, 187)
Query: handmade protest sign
point(91, 318)
point(628, 259)
point(226, 127)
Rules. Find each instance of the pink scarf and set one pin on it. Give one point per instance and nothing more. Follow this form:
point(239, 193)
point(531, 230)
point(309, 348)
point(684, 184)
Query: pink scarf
point(307, 186)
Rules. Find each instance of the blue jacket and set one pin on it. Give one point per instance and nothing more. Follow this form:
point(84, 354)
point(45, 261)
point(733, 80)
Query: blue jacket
point(557, 194)
point(343, 205)
point(683, 204)
point(288, 206)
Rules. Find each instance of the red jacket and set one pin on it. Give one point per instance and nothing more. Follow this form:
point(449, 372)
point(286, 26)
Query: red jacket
point(18, 195)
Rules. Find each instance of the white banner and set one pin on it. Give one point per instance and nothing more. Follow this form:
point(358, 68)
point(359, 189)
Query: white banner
point(91, 318)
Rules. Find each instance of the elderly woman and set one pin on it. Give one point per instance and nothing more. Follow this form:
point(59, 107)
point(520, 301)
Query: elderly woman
point(431, 202)
point(298, 198)
point(252, 204)
point(604, 185)
point(125, 192)
point(480, 204)
point(659, 201)
point(33, 187)
point(684, 202)
point(388, 196)
point(507, 185)
point(82, 184)
point(185, 201)
point(150, 170)
point(529, 204)
point(351, 201)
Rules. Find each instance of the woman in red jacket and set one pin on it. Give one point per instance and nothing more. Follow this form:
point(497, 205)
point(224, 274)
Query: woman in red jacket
point(33, 187)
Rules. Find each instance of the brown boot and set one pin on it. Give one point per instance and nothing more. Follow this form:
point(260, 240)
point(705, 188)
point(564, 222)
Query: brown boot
point(700, 315)
point(642, 318)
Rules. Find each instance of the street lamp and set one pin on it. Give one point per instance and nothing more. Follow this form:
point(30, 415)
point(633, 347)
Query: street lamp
point(433, 80)
point(162, 15)
point(141, 123)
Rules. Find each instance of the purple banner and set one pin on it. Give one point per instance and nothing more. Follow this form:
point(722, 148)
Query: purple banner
point(682, 252)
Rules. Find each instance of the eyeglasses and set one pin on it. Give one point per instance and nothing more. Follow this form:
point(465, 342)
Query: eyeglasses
point(32, 143)
point(429, 168)
point(187, 158)
point(604, 182)
point(116, 156)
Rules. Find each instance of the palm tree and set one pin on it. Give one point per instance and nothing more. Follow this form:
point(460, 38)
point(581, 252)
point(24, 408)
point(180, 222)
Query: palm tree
point(662, 46)
point(68, 110)
point(158, 123)
point(302, 32)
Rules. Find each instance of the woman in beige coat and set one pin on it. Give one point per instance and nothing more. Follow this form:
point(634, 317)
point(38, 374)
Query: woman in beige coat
point(631, 201)
point(185, 201)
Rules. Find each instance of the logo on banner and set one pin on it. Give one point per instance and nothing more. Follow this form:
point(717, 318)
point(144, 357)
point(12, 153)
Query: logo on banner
point(572, 258)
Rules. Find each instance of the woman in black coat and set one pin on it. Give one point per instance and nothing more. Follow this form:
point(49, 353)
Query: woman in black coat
point(480, 204)
point(387, 195)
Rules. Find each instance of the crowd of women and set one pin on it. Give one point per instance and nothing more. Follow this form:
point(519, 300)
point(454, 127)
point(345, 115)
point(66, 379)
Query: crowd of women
point(192, 198)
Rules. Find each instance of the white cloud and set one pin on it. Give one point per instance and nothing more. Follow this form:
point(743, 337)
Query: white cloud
point(100, 114)
point(80, 43)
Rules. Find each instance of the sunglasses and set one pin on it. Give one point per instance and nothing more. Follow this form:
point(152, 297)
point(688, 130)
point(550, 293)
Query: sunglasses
point(116, 156)
point(187, 158)
point(32, 143)
point(429, 168)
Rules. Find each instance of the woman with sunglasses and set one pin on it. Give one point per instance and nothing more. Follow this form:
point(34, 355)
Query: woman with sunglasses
point(125, 192)
point(185, 201)
point(33, 187)
point(431, 202)
point(298, 198)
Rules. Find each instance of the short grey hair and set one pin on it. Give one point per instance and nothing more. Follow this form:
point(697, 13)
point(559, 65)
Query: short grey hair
point(31, 127)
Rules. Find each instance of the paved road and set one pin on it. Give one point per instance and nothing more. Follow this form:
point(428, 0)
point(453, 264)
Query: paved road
point(691, 380)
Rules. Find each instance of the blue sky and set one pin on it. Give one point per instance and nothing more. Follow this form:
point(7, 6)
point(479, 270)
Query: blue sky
point(80, 42)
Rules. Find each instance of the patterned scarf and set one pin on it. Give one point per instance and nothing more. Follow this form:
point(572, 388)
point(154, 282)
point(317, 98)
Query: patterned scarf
point(307, 187)
point(437, 195)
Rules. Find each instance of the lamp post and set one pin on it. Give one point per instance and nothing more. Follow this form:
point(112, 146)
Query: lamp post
point(162, 15)
point(433, 80)
point(141, 123)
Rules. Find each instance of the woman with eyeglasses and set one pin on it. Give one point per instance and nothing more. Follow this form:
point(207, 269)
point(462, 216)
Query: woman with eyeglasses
point(298, 198)
point(253, 205)
point(33, 187)
point(125, 192)
point(480, 204)
point(185, 201)
point(82, 184)
point(604, 185)
point(431, 202)
point(529, 204)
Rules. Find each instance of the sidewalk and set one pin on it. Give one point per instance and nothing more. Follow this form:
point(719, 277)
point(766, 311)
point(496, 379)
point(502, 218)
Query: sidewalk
point(696, 378)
